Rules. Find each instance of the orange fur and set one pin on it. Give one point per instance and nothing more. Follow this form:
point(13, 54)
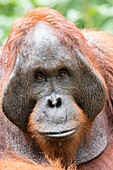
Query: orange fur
point(14, 162)
point(93, 45)
point(68, 34)
point(52, 148)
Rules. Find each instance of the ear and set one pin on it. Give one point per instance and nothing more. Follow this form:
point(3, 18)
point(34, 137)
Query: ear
point(92, 89)
point(16, 101)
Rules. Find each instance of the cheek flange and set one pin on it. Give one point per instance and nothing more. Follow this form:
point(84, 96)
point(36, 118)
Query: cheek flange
point(17, 104)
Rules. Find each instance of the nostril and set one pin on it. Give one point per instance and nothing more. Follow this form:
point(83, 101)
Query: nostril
point(50, 104)
point(56, 103)
point(59, 102)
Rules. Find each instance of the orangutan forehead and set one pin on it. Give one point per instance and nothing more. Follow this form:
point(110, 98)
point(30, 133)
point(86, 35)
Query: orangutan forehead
point(44, 45)
point(43, 37)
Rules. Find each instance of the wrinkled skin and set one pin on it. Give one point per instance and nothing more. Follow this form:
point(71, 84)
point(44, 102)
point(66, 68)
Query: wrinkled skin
point(54, 92)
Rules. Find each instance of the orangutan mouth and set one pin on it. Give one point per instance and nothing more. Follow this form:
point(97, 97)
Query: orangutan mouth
point(60, 134)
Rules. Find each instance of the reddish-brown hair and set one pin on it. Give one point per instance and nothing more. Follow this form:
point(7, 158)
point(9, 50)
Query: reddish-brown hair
point(67, 33)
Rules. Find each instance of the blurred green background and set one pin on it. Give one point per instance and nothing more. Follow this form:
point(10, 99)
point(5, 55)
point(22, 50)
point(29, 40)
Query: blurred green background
point(97, 14)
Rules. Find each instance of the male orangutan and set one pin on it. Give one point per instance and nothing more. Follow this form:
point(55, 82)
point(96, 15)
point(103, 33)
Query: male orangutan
point(57, 88)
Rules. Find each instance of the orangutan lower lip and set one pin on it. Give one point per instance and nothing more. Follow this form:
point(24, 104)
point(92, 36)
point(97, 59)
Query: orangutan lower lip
point(60, 134)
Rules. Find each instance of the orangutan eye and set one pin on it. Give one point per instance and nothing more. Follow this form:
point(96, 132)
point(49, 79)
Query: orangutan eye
point(39, 77)
point(62, 74)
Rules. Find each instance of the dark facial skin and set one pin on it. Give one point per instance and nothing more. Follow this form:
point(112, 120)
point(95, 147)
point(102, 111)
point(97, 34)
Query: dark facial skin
point(51, 93)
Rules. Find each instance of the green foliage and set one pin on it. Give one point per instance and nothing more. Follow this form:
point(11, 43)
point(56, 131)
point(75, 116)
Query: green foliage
point(97, 14)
